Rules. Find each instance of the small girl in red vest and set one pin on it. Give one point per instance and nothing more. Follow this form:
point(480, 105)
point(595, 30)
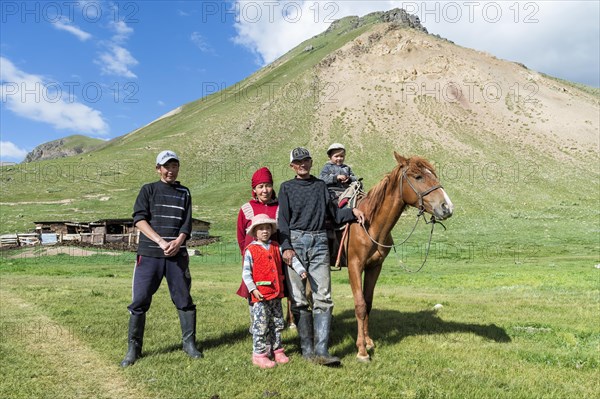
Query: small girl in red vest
point(263, 275)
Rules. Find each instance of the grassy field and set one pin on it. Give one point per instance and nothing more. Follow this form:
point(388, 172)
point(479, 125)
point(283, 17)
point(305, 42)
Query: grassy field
point(518, 322)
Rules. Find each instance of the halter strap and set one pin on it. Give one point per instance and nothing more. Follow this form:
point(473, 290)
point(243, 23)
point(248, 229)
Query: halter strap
point(420, 195)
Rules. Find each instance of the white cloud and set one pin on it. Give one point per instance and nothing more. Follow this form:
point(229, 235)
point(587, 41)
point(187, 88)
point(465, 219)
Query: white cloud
point(271, 29)
point(67, 26)
point(200, 42)
point(161, 103)
point(556, 37)
point(122, 31)
point(34, 97)
point(11, 151)
point(117, 61)
point(267, 32)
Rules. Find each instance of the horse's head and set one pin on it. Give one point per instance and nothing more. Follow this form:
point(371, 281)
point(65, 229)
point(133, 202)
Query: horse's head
point(421, 187)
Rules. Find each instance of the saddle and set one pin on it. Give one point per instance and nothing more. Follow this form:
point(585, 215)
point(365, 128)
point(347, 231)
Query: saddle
point(349, 198)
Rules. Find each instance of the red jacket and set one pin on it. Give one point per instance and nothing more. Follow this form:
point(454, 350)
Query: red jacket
point(266, 271)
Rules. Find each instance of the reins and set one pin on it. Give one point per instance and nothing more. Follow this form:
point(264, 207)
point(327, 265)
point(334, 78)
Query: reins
point(421, 213)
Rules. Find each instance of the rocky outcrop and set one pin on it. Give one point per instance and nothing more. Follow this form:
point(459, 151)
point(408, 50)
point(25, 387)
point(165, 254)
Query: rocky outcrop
point(65, 147)
point(398, 17)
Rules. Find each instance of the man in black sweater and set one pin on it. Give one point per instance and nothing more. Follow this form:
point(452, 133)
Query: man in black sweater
point(163, 214)
point(304, 204)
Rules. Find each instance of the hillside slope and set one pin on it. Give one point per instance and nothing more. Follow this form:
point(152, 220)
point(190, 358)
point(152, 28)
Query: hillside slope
point(515, 149)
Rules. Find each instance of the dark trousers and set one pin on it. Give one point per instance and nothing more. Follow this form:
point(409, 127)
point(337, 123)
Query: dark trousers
point(148, 274)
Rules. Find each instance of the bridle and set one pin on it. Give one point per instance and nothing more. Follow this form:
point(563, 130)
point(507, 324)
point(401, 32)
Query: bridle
point(421, 208)
point(420, 195)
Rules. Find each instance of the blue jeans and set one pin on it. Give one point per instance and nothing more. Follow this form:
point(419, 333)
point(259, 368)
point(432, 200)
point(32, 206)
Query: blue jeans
point(312, 250)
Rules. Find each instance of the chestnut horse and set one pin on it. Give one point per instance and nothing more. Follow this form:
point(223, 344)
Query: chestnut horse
point(412, 182)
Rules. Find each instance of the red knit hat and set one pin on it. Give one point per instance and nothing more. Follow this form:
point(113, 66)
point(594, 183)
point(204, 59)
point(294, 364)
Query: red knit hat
point(263, 175)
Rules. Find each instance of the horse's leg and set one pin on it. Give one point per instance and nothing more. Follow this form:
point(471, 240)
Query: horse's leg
point(291, 323)
point(360, 307)
point(371, 276)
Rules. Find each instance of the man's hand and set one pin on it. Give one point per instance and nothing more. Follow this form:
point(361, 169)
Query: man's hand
point(359, 215)
point(163, 244)
point(288, 255)
point(172, 248)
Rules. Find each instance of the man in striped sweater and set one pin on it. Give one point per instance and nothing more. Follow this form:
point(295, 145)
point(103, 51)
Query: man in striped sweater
point(163, 214)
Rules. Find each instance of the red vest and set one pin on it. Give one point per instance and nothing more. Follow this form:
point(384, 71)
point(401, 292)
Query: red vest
point(266, 271)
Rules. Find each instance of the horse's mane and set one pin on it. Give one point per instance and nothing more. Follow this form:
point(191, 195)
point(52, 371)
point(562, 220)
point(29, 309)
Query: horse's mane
point(376, 195)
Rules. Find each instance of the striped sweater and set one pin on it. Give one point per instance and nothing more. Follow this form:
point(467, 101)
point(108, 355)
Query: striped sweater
point(168, 210)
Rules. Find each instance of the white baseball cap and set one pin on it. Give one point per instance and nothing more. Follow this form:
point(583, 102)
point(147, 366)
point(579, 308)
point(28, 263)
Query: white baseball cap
point(335, 146)
point(165, 156)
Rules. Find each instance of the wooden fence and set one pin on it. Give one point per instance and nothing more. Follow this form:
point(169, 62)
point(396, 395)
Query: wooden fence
point(23, 239)
point(19, 239)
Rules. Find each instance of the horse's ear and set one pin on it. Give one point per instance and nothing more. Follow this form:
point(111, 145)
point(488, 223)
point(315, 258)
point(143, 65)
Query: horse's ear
point(401, 160)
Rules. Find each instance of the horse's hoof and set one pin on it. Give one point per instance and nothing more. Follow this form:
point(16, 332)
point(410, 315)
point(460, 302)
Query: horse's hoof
point(370, 345)
point(363, 359)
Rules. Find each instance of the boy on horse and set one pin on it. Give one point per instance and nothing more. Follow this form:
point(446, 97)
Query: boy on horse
point(336, 174)
point(344, 188)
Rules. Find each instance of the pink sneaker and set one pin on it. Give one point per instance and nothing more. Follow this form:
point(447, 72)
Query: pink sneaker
point(280, 356)
point(263, 361)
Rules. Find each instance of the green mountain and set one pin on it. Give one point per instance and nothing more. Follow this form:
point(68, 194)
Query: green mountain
point(516, 150)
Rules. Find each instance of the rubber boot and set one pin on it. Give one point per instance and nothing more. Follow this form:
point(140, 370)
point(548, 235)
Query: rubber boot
point(322, 329)
point(304, 326)
point(280, 357)
point(187, 318)
point(135, 339)
point(263, 361)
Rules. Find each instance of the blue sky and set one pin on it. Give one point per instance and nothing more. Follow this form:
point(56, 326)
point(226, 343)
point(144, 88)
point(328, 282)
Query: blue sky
point(106, 68)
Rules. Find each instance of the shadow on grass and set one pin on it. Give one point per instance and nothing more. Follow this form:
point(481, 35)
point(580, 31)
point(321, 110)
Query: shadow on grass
point(228, 337)
point(391, 327)
point(385, 326)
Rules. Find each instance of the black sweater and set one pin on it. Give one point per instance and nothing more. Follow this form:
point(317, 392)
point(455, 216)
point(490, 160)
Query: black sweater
point(304, 205)
point(168, 209)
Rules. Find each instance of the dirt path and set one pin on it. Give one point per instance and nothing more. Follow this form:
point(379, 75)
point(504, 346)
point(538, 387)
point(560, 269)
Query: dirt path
point(74, 366)
point(59, 202)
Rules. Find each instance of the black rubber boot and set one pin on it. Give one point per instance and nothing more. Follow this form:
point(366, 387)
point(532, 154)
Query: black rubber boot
point(135, 339)
point(187, 318)
point(304, 326)
point(322, 329)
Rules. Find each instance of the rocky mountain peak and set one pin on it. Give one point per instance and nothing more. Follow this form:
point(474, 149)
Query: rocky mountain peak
point(397, 16)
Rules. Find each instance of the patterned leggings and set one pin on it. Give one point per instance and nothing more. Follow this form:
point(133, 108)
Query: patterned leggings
point(267, 325)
